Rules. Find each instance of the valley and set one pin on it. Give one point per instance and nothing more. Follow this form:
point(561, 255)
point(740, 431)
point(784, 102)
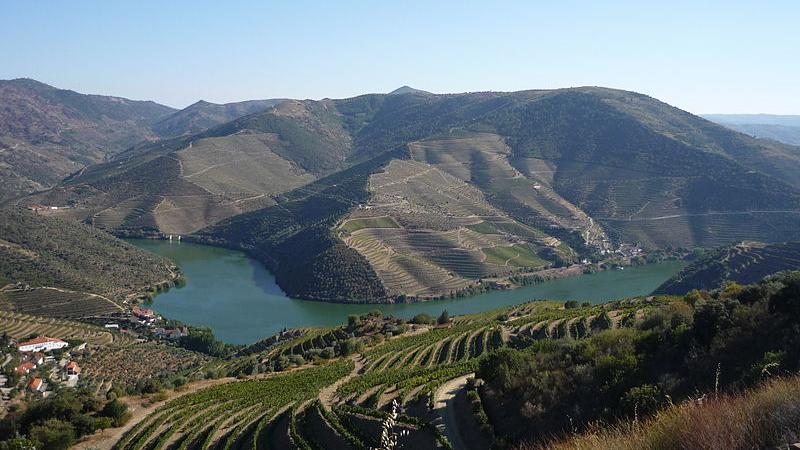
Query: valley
point(427, 196)
point(481, 266)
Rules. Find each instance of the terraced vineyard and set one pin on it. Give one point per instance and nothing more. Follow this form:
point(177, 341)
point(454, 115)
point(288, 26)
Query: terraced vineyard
point(124, 364)
point(20, 326)
point(53, 302)
point(418, 232)
point(240, 414)
point(340, 402)
point(745, 263)
point(523, 189)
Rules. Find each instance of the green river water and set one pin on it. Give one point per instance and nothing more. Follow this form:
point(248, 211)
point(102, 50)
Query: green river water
point(237, 297)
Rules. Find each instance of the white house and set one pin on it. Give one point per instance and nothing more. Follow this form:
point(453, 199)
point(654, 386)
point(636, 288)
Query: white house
point(41, 344)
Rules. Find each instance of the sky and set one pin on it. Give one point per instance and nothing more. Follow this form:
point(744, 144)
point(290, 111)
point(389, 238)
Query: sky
point(701, 56)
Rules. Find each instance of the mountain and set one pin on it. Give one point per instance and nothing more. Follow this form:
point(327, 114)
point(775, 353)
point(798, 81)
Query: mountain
point(56, 267)
point(47, 133)
point(784, 129)
point(422, 195)
point(744, 262)
point(203, 115)
point(407, 90)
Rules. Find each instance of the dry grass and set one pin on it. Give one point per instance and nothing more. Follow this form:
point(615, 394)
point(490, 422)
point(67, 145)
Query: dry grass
point(766, 417)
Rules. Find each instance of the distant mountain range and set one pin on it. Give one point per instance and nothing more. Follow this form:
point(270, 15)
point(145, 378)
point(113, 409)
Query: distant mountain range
point(424, 195)
point(784, 129)
point(48, 133)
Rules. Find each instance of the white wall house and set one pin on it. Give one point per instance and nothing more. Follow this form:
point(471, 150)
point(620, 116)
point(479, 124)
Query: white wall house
point(41, 344)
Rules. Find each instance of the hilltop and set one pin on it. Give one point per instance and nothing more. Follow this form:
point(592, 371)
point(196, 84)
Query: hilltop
point(203, 115)
point(47, 133)
point(407, 90)
point(743, 262)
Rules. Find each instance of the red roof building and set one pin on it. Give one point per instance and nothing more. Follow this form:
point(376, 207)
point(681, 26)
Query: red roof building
point(36, 384)
point(72, 368)
point(143, 313)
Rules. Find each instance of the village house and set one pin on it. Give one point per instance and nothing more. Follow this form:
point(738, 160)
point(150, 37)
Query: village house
point(171, 333)
point(41, 344)
point(72, 368)
point(36, 385)
point(36, 358)
point(25, 368)
point(145, 315)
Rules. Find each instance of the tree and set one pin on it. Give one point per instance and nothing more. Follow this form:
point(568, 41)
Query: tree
point(352, 321)
point(54, 434)
point(787, 300)
point(570, 304)
point(422, 319)
point(117, 412)
point(444, 318)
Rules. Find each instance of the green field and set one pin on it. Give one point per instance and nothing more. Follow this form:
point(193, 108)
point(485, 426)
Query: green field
point(517, 255)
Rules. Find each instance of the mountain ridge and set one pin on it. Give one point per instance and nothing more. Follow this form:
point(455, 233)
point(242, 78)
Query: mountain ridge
point(507, 183)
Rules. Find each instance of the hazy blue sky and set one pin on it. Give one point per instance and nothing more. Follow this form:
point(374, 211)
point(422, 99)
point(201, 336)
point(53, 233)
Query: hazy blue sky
point(703, 56)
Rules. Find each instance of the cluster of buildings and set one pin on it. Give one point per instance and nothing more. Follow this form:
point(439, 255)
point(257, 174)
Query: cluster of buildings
point(149, 318)
point(36, 365)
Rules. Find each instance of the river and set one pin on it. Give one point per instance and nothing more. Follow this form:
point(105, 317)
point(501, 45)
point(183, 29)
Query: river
point(238, 298)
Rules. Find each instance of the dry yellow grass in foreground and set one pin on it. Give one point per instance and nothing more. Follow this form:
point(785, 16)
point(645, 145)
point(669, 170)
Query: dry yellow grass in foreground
point(766, 417)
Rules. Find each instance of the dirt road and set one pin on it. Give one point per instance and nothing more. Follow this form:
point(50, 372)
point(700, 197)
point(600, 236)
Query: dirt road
point(444, 407)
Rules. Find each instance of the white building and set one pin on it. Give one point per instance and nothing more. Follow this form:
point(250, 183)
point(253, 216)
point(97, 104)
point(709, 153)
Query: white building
point(41, 344)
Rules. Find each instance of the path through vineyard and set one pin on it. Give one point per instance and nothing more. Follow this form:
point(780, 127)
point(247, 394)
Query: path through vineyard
point(443, 398)
point(328, 394)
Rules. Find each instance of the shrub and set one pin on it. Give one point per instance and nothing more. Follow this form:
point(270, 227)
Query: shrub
point(422, 319)
point(53, 434)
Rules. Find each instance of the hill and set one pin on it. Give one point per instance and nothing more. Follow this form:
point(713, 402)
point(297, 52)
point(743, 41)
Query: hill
point(745, 262)
point(48, 133)
point(55, 267)
point(432, 194)
point(203, 115)
point(407, 90)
